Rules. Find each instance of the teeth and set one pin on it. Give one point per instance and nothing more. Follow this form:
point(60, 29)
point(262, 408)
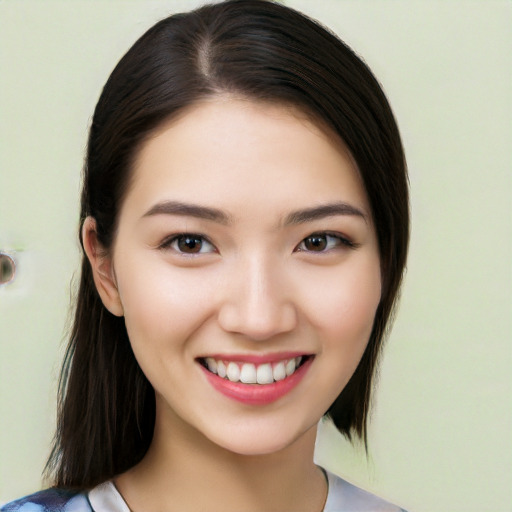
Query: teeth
point(264, 374)
point(290, 367)
point(279, 371)
point(249, 373)
point(212, 364)
point(233, 372)
point(221, 369)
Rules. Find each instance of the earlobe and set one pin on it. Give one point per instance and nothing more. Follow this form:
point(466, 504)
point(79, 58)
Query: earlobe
point(102, 268)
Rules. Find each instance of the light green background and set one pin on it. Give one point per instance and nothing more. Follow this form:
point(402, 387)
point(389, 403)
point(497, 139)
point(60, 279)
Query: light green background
point(441, 433)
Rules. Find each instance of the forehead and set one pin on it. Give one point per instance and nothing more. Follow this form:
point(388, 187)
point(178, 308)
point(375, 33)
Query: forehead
point(226, 152)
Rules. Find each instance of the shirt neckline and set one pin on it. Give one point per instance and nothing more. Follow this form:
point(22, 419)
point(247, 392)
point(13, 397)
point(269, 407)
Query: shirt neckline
point(105, 497)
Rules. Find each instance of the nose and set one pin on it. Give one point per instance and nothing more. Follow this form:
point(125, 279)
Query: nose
point(258, 301)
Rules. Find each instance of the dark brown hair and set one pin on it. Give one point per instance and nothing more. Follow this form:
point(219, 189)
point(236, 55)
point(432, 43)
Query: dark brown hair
point(259, 50)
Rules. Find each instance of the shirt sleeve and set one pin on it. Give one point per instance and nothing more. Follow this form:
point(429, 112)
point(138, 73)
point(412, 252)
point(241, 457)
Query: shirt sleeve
point(50, 500)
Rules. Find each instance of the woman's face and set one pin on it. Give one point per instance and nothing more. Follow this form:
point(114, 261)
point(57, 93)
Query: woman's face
point(246, 247)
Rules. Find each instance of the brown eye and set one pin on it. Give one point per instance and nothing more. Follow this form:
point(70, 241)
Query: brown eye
point(315, 243)
point(324, 242)
point(190, 244)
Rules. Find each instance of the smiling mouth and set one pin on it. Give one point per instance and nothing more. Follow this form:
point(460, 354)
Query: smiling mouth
point(250, 373)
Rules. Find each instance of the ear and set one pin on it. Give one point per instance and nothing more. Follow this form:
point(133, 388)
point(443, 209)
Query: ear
point(102, 268)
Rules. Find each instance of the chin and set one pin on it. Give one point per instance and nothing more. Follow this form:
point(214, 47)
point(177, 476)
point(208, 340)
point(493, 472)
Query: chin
point(254, 447)
point(262, 440)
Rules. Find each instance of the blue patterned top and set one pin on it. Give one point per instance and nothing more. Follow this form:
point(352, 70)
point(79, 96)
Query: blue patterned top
point(342, 497)
point(51, 500)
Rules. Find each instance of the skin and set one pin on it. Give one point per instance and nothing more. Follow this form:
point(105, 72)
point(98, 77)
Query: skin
point(255, 285)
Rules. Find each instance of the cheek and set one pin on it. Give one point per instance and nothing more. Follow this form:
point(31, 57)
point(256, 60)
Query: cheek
point(162, 305)
point(343, 304)
point(344, 315)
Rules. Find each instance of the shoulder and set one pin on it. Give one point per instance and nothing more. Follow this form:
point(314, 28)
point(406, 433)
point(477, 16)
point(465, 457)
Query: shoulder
point(50, 500)
point(346, 497)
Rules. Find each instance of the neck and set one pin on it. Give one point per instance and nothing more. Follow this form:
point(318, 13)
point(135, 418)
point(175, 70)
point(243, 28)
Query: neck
point(185, 471)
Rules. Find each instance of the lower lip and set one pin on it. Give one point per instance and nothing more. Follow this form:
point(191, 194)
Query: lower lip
point(257, 394)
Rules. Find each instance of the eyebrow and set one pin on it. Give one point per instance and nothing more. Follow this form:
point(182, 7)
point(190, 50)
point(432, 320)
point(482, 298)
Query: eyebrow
point(216, 215)
point(322, 211)
point(188, 210)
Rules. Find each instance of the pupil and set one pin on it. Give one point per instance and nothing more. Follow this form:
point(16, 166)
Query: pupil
point(316, 243)
point(189, 244)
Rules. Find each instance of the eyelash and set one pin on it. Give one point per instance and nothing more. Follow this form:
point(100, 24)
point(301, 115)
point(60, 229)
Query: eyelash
point(169, 242)
point(340, 241)
point(336, 241)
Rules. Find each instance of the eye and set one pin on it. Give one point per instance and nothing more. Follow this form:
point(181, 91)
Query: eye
point(323, 242)
point(189, 243)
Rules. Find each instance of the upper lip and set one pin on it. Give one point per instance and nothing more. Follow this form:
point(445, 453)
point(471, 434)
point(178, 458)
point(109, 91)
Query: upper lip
point(257, 358)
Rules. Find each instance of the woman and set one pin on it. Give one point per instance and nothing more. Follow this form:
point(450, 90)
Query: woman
point(244, 221)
